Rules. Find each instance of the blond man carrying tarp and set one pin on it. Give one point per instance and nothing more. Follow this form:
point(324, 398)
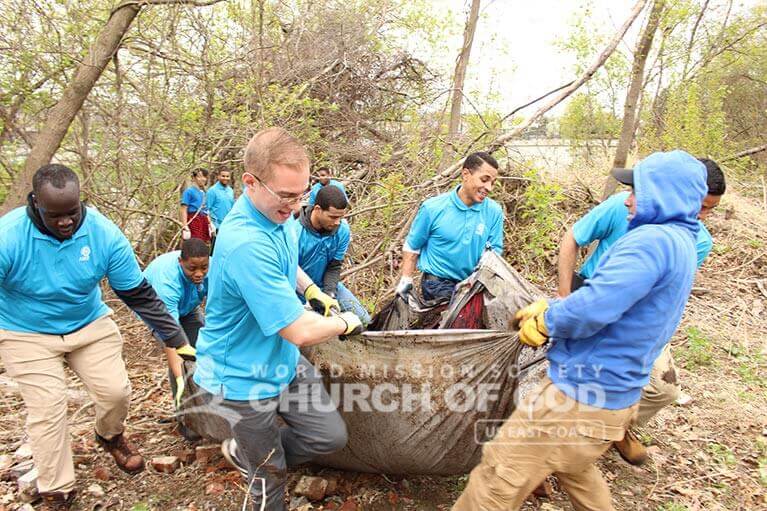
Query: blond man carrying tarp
point(605, 338)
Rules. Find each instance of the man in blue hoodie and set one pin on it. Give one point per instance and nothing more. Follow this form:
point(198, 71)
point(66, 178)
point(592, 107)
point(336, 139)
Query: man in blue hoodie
point(607, 223)
point(605, 339)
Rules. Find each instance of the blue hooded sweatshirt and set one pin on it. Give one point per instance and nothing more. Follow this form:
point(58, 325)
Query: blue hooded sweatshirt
point(607, 334)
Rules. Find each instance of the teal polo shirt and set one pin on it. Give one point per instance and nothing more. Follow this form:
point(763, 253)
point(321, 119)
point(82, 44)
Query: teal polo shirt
point(318, 186)
point(451, 236)
point(317, 250)
point(195, 200)
point(220, 202)
point(251, 297)
point(608, 221)
point(179, 294)
point(49, 286)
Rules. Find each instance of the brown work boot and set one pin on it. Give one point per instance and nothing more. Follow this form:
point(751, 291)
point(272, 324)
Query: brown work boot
point(57, 501)
point(125, 454)
point(631, 449)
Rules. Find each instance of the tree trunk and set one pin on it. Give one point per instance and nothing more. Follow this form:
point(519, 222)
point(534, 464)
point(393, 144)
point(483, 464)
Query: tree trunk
point(63, 113)
point(450, 173)
point(460, 71)
point(632, 96)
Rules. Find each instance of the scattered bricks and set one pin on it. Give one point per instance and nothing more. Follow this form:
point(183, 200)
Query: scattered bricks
point(332, 486)
point(207, 453)
point(23, 453)
point(27, 484)
point(313, 488)
point(185, 456)
point(102, 474)
point(349, 505)
point(165, 464)
point(96, 490)
point(214, 489)
point(20, 469)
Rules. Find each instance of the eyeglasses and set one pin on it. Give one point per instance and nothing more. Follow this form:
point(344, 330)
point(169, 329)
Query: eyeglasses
point(284, 201)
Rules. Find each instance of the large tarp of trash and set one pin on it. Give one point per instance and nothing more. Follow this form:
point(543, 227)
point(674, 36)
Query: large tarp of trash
point(429, 382)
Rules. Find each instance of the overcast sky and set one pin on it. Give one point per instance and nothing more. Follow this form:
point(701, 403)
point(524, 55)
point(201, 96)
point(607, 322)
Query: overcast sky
point(514, 56)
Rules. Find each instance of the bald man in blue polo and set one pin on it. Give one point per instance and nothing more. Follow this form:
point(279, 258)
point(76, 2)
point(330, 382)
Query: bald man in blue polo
point(451, 231)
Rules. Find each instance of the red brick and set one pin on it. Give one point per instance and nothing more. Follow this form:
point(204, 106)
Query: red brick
point(165, 464)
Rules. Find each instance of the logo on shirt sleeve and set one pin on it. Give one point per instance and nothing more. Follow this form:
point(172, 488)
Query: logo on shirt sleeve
point(480, 230)
point(85, 254)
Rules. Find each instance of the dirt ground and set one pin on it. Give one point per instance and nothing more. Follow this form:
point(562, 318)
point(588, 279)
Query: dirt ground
point(709, 454)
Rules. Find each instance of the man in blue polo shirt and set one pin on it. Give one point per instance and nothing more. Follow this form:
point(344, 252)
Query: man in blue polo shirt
point(604, 339)
point(248, 360)
point(322, 246)
point(451, 231)
point(607, 223)
point(220, 198)
point(324, 179)
point(179, 278)
point(53, 255)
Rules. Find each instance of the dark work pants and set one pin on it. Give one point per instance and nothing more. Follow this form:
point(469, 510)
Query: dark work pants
point(577, 281)
point(433, 287)
point(313, 427)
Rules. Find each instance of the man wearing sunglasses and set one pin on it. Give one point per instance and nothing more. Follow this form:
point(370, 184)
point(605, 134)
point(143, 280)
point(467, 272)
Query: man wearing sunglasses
point(249, 365)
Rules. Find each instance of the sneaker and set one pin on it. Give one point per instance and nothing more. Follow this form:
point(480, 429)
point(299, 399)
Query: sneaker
point(229, 450)
point(57, 501)
point(125, 454)
point(631, 449)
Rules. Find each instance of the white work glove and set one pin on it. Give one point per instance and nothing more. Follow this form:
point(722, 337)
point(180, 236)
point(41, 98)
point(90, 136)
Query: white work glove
point(404, 286)
point(353, 324)
point(186, 233)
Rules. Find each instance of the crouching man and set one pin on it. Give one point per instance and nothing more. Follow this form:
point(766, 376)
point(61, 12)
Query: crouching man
point(179, 278)
point(605, 338)
point(322, 244)
point(53, 254)
point(248, 363)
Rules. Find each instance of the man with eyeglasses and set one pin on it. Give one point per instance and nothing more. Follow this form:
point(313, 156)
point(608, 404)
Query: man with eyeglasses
point(249, 365)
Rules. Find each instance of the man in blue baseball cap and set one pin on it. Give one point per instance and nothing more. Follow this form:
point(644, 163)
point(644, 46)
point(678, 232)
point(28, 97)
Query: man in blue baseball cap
point(605, 338)
point(53, 255)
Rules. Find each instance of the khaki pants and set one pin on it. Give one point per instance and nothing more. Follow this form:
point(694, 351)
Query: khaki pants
point(661, 390)
point(549, 433)
point(36, 362)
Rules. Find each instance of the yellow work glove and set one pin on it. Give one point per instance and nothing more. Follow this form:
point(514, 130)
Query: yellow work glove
point(320, 302)
point(179, 391)
point(353, 324)
point(532, 326)
point(187, 352)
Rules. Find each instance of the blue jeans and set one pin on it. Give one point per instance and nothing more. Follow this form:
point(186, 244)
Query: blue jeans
point(349, 302)
point(435, 288)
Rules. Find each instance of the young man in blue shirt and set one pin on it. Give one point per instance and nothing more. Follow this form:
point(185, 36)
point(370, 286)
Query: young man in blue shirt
point(194, 208)
point(451, 231)
point(220, 198)
point(179, 278)
point(604, 339)
point(607, 223)
point(248, 362)
point(324, 179)
point(53, 255)
point(322, 244)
